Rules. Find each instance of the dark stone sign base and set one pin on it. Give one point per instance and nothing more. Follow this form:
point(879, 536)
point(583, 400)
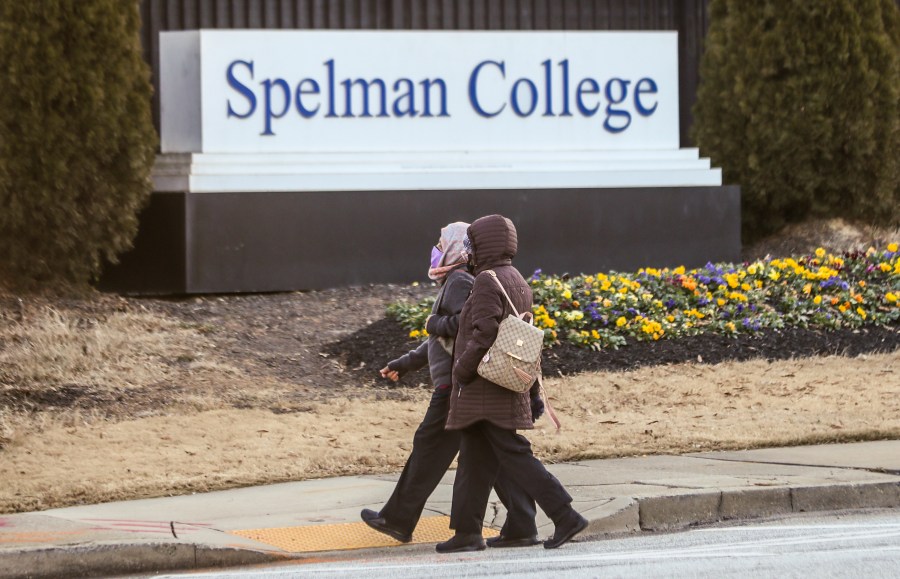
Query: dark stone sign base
point(281, 241)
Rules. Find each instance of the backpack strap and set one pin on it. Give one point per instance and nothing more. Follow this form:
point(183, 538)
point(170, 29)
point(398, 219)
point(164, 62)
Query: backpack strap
point(550, 414)
point(493, 274)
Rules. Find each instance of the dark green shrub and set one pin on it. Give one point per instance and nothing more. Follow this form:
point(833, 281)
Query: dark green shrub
point(76, 136)
point(798, 103)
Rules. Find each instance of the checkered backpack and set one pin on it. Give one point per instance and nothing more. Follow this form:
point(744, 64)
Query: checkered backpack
point(514, 359)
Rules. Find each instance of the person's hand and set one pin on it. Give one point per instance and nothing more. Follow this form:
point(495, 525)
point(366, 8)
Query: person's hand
point(390, 374)
point(537, 404)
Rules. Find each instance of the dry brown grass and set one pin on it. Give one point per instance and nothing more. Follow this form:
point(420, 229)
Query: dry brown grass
point(55, 347)
point(72, 458)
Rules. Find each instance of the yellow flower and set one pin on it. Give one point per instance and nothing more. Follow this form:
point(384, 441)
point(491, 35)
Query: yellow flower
point(862, 283)
point(861, 312)
point(567, 294)
point(807, 289)
point(721, 302)
point(679, 270)
point(774, 275)
point(890, 297)
point(621, 321)
point(817, 300)
point(892, 247)
point(820, 252)
point(595, 334)
point(730, 327)
point(415, 334)
point(885, 267)
point(574, 315)
point(752, 269)
point(671, 318)
point(746, 287)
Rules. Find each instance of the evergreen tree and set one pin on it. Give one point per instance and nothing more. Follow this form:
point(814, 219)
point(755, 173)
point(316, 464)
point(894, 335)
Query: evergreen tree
point(76, 137)
point(798, 103)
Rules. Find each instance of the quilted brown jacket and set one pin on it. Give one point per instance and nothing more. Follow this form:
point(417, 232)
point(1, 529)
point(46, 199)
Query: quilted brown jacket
point(494, 244)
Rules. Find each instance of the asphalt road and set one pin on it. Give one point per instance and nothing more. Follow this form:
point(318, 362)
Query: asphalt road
point(860, 544)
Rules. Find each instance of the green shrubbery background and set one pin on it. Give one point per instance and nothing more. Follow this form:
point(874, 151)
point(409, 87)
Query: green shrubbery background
point(798, 103)
point(77, 141)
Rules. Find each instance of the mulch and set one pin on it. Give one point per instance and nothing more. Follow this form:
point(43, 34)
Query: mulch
point(373, 346)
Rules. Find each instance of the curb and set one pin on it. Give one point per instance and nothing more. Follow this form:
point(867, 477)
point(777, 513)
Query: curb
point(122, 559)
point(620, 517)
point(683, 511)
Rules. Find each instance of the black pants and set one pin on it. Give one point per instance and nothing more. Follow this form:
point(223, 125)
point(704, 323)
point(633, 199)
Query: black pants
point(433, 450)
point(485, 451)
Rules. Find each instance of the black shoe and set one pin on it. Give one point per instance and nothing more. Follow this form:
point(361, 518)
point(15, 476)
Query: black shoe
point(462, 542)
point(501, 541)
point(565, 530)
point(377, 522)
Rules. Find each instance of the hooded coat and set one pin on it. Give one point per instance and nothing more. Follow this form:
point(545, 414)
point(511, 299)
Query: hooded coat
point(493, 243)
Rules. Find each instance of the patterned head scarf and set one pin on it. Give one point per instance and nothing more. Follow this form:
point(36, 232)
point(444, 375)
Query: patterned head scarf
point(452, 237)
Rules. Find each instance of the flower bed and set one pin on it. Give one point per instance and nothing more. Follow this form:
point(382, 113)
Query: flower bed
point(816, 291)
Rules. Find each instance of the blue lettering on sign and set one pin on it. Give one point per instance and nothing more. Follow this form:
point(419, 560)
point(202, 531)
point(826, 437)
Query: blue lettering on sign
point(638, 91)
point(237, 85)
point(473, 88)
point(489, 93)
point(610, 111)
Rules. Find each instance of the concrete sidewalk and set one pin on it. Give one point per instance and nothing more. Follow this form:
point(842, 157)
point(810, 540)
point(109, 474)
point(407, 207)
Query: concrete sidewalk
point(305, 519)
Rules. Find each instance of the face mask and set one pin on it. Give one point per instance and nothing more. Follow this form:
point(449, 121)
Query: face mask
point(436, 256)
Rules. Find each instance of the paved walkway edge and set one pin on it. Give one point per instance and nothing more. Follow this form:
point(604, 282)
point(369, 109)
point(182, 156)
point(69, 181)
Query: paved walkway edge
point(620, 517)
point(123, 558)
point(679, 512)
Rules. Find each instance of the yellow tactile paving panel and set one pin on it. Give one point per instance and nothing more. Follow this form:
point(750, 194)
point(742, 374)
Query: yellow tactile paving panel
point(345, 536)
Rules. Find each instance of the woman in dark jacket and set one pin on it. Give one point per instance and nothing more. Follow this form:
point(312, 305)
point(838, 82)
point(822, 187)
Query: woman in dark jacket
point(488, 415)
point(434, 448)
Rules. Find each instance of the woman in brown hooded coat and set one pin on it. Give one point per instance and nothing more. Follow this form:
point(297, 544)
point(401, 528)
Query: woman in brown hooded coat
point(488, 415)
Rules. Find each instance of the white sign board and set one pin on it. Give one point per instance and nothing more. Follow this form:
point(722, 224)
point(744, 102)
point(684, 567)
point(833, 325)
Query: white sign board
point(302, 91)
point(311, 110)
